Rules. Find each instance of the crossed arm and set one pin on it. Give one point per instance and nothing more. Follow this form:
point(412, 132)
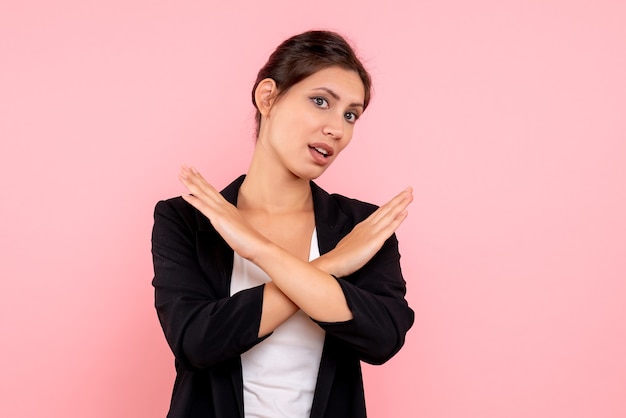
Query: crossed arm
point(296, 284)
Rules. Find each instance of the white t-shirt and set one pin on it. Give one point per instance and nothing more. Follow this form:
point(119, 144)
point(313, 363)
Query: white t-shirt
point(280, 373)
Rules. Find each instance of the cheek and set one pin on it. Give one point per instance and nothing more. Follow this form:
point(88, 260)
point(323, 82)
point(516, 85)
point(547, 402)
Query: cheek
point(297, 121)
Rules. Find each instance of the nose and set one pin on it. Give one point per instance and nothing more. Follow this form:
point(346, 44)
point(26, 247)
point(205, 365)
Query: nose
point(334, 127)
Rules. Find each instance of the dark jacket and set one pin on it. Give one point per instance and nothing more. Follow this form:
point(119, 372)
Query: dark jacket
point(207, 329)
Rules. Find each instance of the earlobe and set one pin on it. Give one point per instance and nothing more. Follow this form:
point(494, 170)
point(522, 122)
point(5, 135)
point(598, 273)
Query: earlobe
point(265, 94)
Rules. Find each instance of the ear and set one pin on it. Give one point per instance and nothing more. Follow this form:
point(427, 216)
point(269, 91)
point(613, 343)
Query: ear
point(265, 94)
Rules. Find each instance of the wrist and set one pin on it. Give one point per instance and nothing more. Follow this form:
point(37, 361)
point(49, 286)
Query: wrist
point(266, 253)
point(327, 264)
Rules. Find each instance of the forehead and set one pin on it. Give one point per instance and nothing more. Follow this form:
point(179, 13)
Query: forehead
point(346, 83)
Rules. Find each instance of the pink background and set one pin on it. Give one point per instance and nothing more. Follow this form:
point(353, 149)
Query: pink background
point(508, 119)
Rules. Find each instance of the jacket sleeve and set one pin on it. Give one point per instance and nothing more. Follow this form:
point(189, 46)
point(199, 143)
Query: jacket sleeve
point(203, 325)
point(381, 315)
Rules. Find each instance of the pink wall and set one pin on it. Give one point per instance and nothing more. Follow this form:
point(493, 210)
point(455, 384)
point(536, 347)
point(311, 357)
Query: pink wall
point(508, 120)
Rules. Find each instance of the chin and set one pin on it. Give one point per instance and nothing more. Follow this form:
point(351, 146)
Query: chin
point(310, 174)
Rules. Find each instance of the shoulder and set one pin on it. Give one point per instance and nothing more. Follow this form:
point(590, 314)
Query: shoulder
point(175, 206)
point(354, 208)
point(176, 211)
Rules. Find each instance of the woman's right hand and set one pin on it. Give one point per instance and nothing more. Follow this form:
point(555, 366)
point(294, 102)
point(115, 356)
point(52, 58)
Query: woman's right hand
point(366, 238)
point(225, 217)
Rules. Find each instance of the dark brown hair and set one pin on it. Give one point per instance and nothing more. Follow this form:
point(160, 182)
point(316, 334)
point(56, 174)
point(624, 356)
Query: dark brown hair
point(305, 54)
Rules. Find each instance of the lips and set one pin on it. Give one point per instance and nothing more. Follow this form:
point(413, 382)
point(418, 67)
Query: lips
point(321, 153)
point(322, 148)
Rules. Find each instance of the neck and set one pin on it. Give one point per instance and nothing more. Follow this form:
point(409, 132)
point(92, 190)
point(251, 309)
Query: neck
point(271, 188)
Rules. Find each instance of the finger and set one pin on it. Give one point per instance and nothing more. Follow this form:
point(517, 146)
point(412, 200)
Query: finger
point(192, 186)
point(197, 203)
point(389, 228)
point(205, 205)
point(398, 199)
point(196, 176)
point(191, 175)
point(397, 221)
point(387, 225)
point(197, 185)
point(394, 206)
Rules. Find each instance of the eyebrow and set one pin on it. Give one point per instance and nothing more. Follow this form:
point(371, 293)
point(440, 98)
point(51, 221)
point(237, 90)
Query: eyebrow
point(336, 96)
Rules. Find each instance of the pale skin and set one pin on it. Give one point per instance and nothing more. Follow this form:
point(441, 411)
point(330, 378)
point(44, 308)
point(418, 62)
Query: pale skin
point(273, 222)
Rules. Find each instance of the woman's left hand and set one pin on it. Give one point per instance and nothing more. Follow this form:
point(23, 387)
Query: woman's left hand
point(225, 218)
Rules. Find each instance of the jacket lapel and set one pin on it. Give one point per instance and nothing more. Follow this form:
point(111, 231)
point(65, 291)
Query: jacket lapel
point(330, 221)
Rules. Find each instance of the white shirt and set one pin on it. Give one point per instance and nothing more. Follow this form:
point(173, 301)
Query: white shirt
point(280, 373)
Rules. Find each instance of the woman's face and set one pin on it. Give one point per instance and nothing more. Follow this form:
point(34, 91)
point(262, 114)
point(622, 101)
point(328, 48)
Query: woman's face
point(308, 126)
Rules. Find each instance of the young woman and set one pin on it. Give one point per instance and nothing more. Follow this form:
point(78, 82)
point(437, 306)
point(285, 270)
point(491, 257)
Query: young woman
point(272, 291)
